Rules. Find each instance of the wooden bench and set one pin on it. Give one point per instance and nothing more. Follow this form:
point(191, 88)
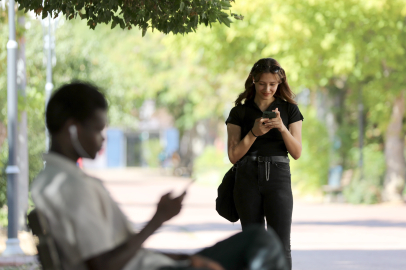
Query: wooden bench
point(338, 180)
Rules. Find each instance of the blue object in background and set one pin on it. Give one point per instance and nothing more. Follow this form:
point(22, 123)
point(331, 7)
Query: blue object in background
point(115, 148)
point(172, 141)
point(334, 177)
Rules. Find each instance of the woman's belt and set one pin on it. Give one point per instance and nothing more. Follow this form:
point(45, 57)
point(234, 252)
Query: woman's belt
point(284, 159)
point(268, 161)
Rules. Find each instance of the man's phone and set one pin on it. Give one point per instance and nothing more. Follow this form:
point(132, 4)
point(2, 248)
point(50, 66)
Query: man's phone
point(269, 114)
point(177, 192)
point(189, 184)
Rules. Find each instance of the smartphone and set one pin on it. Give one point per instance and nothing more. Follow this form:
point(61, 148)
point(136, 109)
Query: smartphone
point(269, 114)
point(177, 191)
point(189, 184)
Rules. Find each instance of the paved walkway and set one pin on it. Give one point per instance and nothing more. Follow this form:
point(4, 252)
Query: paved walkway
point(324, 236)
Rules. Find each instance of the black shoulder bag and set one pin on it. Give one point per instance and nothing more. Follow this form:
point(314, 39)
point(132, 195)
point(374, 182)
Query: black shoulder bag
point(225, 193)
point(225, 199)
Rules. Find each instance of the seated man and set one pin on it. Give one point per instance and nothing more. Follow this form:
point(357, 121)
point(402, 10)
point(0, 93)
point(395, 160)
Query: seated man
point(90, 230)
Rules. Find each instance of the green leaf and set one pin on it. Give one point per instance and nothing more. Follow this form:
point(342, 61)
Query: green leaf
point(122, 24)
point(196, 22)
point(155, 14)
point(113, 24)
point(225, 4)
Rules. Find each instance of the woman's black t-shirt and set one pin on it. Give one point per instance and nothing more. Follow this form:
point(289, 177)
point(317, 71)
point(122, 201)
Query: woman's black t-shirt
point(271, 143)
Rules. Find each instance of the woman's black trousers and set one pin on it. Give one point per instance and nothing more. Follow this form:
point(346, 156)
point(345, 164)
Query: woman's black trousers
point(263, 190)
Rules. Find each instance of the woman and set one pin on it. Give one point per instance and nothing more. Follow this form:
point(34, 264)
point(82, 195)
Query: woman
point(260, 146)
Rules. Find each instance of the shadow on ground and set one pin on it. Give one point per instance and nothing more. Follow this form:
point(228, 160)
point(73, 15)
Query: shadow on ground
point(360, 223)
point(191, 228)
point(348, 259)
point(336, 259)
point(224, 227)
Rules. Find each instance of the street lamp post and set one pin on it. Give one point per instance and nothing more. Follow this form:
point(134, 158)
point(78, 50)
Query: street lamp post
point(22, 159)
point(12, 170)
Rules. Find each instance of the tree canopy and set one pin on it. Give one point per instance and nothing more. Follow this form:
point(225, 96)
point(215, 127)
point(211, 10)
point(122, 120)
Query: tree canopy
point(178, 16)
point(333, 49)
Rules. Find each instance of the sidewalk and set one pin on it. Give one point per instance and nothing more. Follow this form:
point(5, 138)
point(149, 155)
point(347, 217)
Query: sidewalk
point(324, 236)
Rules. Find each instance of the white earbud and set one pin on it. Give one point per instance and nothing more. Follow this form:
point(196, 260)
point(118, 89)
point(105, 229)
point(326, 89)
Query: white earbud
point(73, 131)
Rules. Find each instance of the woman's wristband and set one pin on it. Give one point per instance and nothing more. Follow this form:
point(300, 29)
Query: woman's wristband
point(254, 134)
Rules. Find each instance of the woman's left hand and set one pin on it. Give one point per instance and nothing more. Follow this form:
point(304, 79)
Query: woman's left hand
point(277, 122)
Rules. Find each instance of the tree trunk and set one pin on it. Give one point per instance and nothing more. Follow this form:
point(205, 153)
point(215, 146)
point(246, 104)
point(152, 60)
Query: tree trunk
point(394, 154)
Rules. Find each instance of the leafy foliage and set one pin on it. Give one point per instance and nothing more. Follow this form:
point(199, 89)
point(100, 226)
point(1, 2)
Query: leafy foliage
point(321, 45)
point(310, 172)
point(338, 47)
point(151, 150)
point(209, 168)
point(366, 190)
point(179, 16)
point(33, 103)
point(335, 47)
point(3, 105)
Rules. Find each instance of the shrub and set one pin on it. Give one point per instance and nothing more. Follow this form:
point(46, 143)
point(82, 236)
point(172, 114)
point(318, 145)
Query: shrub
point(209, 168)
point(367, 189)
point(310, 171)
point(151, 150)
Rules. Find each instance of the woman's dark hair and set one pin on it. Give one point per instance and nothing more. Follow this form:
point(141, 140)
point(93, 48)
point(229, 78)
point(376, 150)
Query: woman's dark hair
point(77, 100)
point(266, 65)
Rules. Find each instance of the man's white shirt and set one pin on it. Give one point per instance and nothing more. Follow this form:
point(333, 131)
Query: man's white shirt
point(84, 220)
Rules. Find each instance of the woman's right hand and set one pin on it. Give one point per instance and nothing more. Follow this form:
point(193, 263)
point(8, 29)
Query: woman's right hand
point(261, 126)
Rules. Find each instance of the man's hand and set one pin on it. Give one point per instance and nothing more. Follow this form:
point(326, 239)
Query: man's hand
point(168, 208)
point(198, 261)
point(118, 257)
